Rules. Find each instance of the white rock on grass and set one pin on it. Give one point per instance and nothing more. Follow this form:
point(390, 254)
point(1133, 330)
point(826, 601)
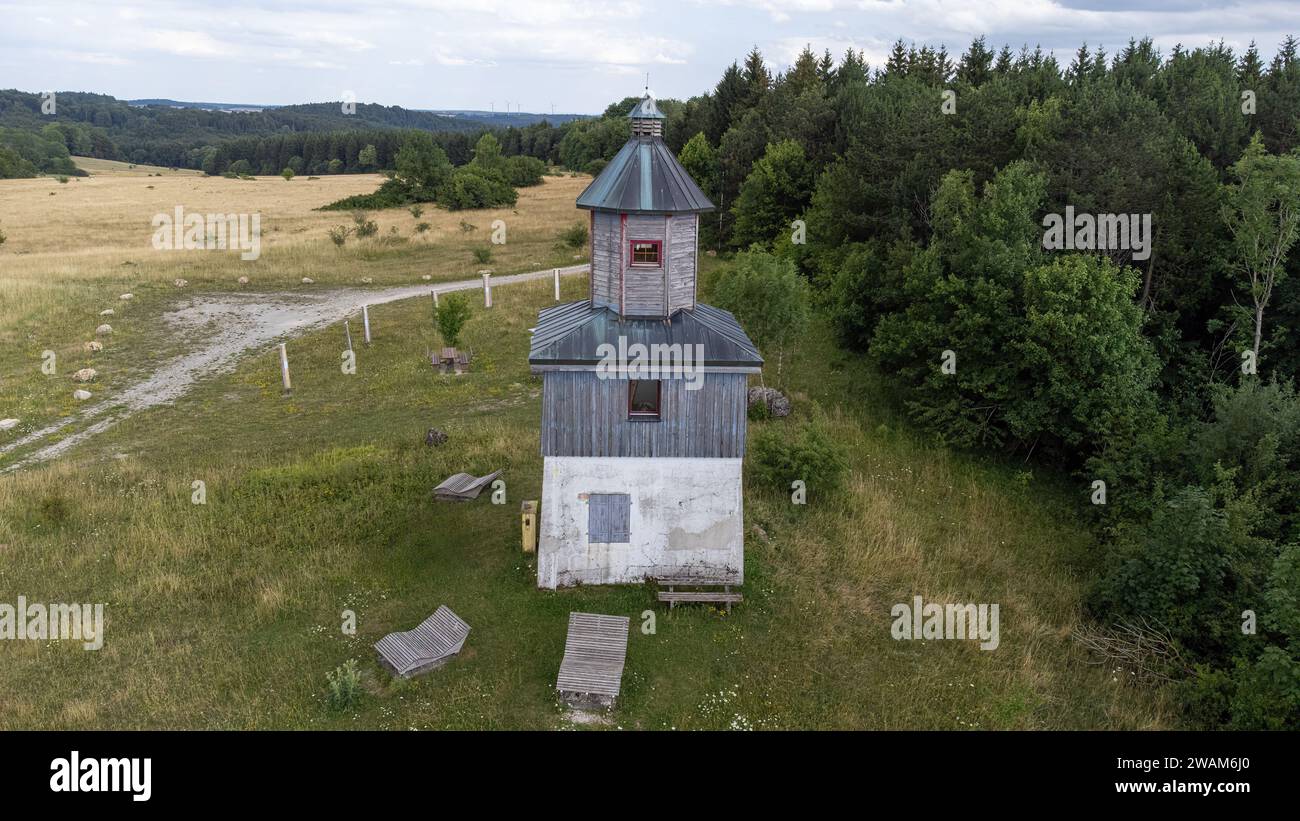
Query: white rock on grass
point(81, 395)
point(243, 280)
point(367, 280)
point(125, 297)
point(427, 277)
point(93, 346)
point(107, 312)
point(181, 283)
point(308, 281)
point(8, 424)
point(85, 375)
point(104, 330)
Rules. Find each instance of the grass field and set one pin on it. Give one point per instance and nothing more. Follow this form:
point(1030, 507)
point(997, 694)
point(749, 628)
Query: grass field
point(228, 614)
point(73, 248)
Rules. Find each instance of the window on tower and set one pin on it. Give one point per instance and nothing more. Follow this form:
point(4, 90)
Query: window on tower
point(646, 252)
point(643, 400)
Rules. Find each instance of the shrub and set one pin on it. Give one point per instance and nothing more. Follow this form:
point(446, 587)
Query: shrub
point(416, 210)
point(339, 235)
point(522, 172)
point(364, 227)
point(451, 315)
point(466, 227)
point(63, 180)
point(807, 453)
point(344, 685)
point(287, 174)
point(3, 237)
point(421, 227)
point(391, 194)
point(575, 236)
point(483, 255)
point(477, 187)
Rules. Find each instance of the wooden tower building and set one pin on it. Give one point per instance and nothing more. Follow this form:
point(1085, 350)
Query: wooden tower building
point(644, 390)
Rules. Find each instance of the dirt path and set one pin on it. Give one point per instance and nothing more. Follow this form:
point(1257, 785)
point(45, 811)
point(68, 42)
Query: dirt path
point(226, 326)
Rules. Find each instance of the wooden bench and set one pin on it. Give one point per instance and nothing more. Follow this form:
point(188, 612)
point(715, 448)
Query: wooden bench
point(595, 648)
point(673, 597)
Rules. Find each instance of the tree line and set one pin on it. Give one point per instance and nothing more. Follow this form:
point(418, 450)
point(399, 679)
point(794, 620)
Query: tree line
point(915, 199)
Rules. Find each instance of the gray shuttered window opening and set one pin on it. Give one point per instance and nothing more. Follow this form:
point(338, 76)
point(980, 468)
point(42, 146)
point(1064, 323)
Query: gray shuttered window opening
point(609, 518)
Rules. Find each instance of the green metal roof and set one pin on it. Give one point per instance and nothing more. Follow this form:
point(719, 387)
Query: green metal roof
point(572, 333)
point(644, 177)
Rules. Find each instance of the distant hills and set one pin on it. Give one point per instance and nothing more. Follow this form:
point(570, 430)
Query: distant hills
point(494, 119)
point(188, 134)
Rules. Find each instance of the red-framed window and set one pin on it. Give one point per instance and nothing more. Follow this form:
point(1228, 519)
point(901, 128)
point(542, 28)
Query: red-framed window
point(646, 253)
point(643, 400)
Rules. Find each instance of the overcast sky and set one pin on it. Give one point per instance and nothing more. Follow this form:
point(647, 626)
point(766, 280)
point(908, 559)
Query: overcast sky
point(575, 55)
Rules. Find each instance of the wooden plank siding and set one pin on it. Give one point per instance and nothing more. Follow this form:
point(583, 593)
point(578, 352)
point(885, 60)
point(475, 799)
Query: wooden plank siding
point(606, 259)
point(681, 261)
point(641, 291)
point(584, 415)
point(644, 294)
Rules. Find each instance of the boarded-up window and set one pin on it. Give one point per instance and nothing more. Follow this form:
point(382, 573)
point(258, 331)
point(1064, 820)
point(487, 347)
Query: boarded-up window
point(609, 517)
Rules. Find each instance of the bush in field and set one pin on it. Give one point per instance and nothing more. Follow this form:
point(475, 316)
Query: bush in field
point(339, 235)
point(3, 237)
point(451, 315)
point(483, 255)
point(344, 689)
point(476, 187)
point(808, 453)
point(421, 227)
point(416, 210)
point(287, 174)
point(364, 227)
point(575, 236)
point(522, 172)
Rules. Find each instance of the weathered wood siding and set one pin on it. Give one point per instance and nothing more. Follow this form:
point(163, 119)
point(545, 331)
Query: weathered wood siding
point(583, 415)
point(681, 253)
point(644, 290)
point(606, 259)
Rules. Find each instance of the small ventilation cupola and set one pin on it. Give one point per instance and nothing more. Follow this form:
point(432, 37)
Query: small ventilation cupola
point(647, 119)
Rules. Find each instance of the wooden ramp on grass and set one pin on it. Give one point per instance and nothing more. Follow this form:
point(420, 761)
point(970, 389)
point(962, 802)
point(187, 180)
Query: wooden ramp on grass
point(425, 648)
point(591, 673)
point(462, 487)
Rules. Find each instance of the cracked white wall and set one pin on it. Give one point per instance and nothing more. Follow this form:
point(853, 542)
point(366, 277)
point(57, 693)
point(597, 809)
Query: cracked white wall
point(685, 520)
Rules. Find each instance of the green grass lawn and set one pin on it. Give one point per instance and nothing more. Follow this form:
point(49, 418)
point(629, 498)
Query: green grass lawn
point(228, 614)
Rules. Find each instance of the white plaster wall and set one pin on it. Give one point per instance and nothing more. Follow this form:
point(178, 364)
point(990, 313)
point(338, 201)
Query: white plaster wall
point(686, 518)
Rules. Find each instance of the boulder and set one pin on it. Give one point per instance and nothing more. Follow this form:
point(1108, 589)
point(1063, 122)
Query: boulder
point(85, 375)
point(104, 330)
point(426, 277)
point(8, 424)
point(308, 281)
point(777, 404)
point(93, 346)
point(181, 283)
point(243, 280)
point(80, 395)
point(107, 312)
point(125, 297)
point(434, 438)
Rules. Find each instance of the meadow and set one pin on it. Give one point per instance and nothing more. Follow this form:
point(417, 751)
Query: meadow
point(228, 614)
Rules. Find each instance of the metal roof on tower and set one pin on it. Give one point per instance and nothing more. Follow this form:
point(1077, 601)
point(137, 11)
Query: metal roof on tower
point(572, 333)
point(644, 177)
